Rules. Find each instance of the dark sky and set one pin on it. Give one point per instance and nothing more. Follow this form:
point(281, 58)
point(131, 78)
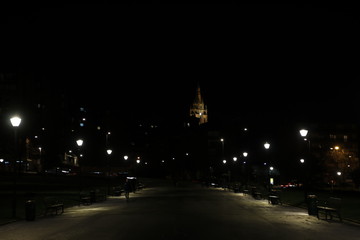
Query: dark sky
point(247, 58)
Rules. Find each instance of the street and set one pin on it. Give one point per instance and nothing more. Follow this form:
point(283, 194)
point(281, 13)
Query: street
point(187, 211)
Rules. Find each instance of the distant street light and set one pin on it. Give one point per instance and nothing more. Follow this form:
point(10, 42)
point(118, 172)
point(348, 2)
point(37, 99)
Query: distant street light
point(126, 157)
point(245, 154)
point(79, 142)
point(266, 145)
point(222, 147)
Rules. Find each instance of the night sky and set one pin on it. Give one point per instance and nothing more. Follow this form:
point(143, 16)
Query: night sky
point(250, 60)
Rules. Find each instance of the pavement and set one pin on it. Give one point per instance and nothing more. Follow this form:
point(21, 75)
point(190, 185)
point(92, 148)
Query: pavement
point(284, 216)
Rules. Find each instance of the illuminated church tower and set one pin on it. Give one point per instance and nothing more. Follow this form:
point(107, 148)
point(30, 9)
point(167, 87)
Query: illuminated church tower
point(198, 109)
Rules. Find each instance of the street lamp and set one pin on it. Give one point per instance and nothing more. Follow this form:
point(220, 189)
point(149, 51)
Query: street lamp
point(271, 179)
point(79, 142)
point(15, 122)
point(304, 132)
point(222, 147)
point(267, 147)
point(109, 151)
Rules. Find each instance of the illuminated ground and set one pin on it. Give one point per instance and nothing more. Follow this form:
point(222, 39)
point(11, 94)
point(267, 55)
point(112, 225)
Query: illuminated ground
point(185, 212)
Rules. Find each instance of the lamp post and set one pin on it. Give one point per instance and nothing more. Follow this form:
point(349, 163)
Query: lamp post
point(79, 143)
point(271, 180)
point(15, 122)
point(303, 134)
point(109, 151)
point(267, 147)
point(247, 167)
point(40, 160)
point(222, 147)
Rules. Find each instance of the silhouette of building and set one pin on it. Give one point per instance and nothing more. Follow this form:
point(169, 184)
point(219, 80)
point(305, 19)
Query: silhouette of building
point(198, 109)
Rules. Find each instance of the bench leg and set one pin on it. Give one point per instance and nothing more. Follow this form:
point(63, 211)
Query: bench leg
point(338, 215)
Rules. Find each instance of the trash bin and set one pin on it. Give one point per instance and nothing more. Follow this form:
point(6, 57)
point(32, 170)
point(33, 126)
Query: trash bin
point(253, 190)
point(92, 196)
point(30, 210)
point(312, 204)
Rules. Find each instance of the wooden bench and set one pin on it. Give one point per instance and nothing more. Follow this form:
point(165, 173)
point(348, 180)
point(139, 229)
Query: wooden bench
point(330, 206)
point(97, 196)
point(246, 192)
point(257, 195)
point(236, 188)
point(117, 191)
point(84, 199)
point(274, 198)
point(53, 206)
